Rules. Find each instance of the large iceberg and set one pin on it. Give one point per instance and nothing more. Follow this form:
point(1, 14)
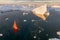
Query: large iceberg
point(41, 12)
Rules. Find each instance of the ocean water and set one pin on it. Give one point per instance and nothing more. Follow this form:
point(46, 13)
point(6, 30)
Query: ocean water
point(28, 30)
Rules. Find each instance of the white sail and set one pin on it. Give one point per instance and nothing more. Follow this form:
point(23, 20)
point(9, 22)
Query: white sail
point(41, 12)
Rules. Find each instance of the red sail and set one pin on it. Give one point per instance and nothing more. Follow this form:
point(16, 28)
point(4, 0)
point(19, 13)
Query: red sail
point(15, 27)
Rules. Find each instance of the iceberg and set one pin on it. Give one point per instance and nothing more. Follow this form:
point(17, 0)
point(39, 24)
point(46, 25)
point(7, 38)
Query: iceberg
point(41, 12)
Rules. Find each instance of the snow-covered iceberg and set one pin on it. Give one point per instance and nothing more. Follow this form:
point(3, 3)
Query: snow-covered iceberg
point(41, 12)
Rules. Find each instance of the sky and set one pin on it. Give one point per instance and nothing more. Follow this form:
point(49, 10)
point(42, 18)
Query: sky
point(16, 1)
point(29, 0)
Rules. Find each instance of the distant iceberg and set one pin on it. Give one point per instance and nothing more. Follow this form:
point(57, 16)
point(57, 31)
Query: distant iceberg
point(41, 12)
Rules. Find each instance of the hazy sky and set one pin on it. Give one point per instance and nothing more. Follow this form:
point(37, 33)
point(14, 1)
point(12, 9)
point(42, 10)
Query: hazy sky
point(29, 0)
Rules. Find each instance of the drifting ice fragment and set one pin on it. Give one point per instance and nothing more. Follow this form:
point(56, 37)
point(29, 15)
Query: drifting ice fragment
point(6, 19)
point(58, 33)
point(1, 34)
point(34, 37)
point(25, 20)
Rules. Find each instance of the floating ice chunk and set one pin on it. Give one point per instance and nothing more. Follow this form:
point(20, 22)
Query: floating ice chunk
point(6, 19)
point(1, 34)
point(25, 14)
point(54, 39)
point(32, 20)
point(25, 20)
point(34, 37)
point(39, 31)
point(58, 33)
